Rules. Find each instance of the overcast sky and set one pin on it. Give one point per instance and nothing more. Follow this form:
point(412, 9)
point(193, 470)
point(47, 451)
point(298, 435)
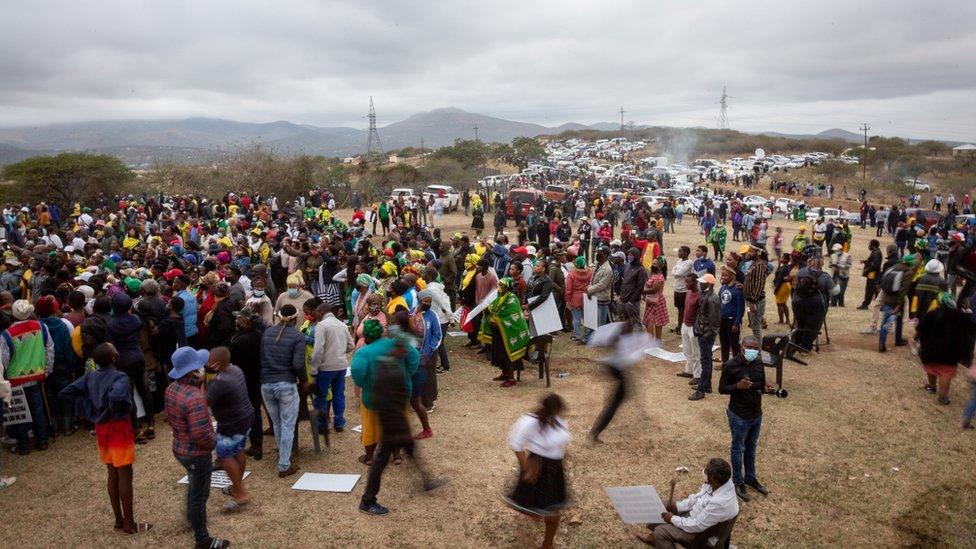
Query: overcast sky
point(907, 68)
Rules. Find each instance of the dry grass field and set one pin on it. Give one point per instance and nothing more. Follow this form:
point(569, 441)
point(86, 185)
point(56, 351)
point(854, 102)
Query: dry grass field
point(858, 455)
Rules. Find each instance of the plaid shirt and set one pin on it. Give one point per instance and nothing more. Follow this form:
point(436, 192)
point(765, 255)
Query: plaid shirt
point(187, 414)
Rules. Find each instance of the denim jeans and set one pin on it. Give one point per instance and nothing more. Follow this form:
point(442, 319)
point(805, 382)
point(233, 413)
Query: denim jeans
point(198, 469)
point(579, 332)
point(745, 435)
point(281, 400)
point(35, 403)
point(755, 320)
point(337, 382)
point(442, 349)
point(970, 410)
point(602, 314)
point(705, 352)
point(887, 314)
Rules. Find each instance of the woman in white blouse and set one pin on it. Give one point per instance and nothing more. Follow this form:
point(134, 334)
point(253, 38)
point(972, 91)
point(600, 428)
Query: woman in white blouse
point(539, 441)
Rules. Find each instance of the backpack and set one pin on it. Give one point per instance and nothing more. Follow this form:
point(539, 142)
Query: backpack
point(891, 281)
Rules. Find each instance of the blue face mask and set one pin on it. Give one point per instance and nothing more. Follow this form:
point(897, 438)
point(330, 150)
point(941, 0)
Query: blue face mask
point(750, 354)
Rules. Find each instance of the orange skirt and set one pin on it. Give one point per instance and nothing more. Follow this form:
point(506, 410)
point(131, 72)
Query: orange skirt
point(116, 442)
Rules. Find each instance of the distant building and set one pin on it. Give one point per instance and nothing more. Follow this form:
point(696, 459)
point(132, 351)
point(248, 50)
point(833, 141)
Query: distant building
point(964, 150)
point(350, 160)
point(394, 159)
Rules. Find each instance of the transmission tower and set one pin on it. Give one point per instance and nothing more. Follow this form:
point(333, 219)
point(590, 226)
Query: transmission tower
point(622, 111)
point(723, 111)
point(373, 145)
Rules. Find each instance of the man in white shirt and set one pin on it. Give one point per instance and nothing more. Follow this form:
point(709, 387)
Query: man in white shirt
point(714, 503)
point(441, 305)
point(333, 342)
point(682, 268)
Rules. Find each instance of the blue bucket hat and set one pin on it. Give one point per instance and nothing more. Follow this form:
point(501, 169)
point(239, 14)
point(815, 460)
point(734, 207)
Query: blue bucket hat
point(186, 360)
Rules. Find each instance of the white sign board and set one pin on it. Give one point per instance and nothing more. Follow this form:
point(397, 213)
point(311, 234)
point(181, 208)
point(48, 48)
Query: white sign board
point(637, 504)
point(484, 303)
point(218, 479)
point(664, 354)
point(545, 318)
point(17, 412)
point(590, 314)
point(323, 482)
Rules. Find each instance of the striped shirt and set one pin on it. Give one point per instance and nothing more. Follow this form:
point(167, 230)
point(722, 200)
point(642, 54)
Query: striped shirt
point(754, 287)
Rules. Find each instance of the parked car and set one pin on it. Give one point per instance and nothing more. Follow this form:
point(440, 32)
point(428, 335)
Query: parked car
point(830, 214)
point(556, 192)
point(528, 197)
point(784, 205)
point(445, 195)
point(754, 201)
point(917, 184)
point(405, 193)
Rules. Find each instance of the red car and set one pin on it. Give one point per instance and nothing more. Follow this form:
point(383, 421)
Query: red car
point(526, 195)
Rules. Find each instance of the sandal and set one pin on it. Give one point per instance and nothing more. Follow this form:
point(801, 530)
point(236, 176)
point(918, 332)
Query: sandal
point(364, 460)
point(141, 527)
point(234, 506)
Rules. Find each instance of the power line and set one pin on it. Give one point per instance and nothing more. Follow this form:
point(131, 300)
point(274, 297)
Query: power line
point(864, 154)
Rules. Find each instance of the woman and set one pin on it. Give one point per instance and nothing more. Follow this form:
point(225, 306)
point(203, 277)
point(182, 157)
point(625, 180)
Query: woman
point(372, 311)
point(656, 306)
point(295, 295)
point(539, 441)
point(946, 337)
point(478, 220)
point(503, 326)
point(576, 283)
point(515, 273)
point(363, 290)
point(783, 288)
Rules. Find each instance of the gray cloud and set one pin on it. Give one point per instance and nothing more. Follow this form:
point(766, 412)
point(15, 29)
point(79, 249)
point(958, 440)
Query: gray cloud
point(801, 67)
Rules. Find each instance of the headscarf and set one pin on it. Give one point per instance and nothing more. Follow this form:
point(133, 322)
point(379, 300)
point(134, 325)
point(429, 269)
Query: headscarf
point(364, 280)
point(372, 329)
point(580, 262)
point(470, 262)
point(505, 283)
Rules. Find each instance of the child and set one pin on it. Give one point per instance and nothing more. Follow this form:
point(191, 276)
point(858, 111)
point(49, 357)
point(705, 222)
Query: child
point(102, 397)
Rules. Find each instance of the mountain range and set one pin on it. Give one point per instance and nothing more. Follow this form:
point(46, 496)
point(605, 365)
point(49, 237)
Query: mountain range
point(198, 140)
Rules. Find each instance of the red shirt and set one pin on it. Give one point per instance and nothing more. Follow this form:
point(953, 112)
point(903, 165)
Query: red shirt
point(187, 414)
point(691, 308)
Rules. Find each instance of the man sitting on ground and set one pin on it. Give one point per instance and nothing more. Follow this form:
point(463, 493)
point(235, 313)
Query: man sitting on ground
point(685, 520)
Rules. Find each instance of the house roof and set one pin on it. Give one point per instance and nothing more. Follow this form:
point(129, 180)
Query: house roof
point(966, 147)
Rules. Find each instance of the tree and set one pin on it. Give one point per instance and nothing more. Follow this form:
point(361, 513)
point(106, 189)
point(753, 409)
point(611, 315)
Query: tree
point(525, 149)
point(465, 151)
point(933, 148)
point(69, 177)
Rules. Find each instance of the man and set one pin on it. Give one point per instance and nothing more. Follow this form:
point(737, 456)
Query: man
point(180, 285)
point(754, 288)
point(714, 503)
point(26, 357)
point(702, 264)
point(441, 305)
point(383, 368)
point(895, 284)
point(840, 263)
point(245, 353)
point(871, 272)
point(428, 330)
point(558, 277)
point(708, 320)
point(733, 309)
point(681, 270)
point(744, 380)
point(632, 286)
point(689, 344)
point(193, 438)
point(282, 368)
point(328, 364)
point(810, 297)
point(600, 286)
point(231, 407)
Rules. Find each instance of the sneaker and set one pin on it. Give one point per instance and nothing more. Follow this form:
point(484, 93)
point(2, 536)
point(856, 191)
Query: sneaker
point(740, 490)
point(214, 543)
point(440, 371)
point(7, 481)
point(697, 395)
point(339, 429)
point(431, 409)
point(684, 374)
point(375, 509)
point(757, 486)
point(693, 381)
point(291, 470)
point(426, 433)
point(930, 388)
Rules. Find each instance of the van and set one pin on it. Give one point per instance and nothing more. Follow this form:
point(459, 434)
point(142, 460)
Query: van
point(527, 196)
point(556, 192)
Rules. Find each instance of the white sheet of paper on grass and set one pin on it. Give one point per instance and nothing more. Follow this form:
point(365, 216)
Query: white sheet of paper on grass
point(357, 429)
point(457, 334)
point(326, 482)
point(637, 504)
point(218, 479)
point(664, 354)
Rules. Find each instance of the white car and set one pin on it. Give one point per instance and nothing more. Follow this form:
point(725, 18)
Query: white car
point(918, 185)
point(407, 194)
point(754, 201)
point(784, 205)
point(445, 195)
point(830, 214)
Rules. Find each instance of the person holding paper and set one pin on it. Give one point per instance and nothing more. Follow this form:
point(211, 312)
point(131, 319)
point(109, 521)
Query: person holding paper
point(714, 503)
point(600, 285)
point(576, 283)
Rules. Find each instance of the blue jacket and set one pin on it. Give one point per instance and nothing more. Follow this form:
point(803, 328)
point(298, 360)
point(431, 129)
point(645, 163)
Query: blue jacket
point(703, 265)
point(432, 334)
point(733, 303)
point(282, 354)
point(99, 396)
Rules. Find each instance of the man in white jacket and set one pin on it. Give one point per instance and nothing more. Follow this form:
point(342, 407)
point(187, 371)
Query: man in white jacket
point(441, 305)
point(333, 342)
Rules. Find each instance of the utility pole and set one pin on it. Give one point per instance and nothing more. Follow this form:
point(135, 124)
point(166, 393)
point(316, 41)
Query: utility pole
point(864, 154)
point(476, 133)
point(423, 155)
point(622, 111)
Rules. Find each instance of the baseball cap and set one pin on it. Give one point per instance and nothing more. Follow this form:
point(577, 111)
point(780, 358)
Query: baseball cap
point(707, 278)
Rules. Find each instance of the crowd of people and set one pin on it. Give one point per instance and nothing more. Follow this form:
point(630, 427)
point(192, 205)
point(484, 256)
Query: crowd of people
point(242, 308)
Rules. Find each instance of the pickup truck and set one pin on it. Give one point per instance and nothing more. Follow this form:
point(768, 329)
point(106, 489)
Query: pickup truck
point(445, 195)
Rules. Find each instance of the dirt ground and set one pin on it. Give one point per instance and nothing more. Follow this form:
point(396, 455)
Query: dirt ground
point(857, 455)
